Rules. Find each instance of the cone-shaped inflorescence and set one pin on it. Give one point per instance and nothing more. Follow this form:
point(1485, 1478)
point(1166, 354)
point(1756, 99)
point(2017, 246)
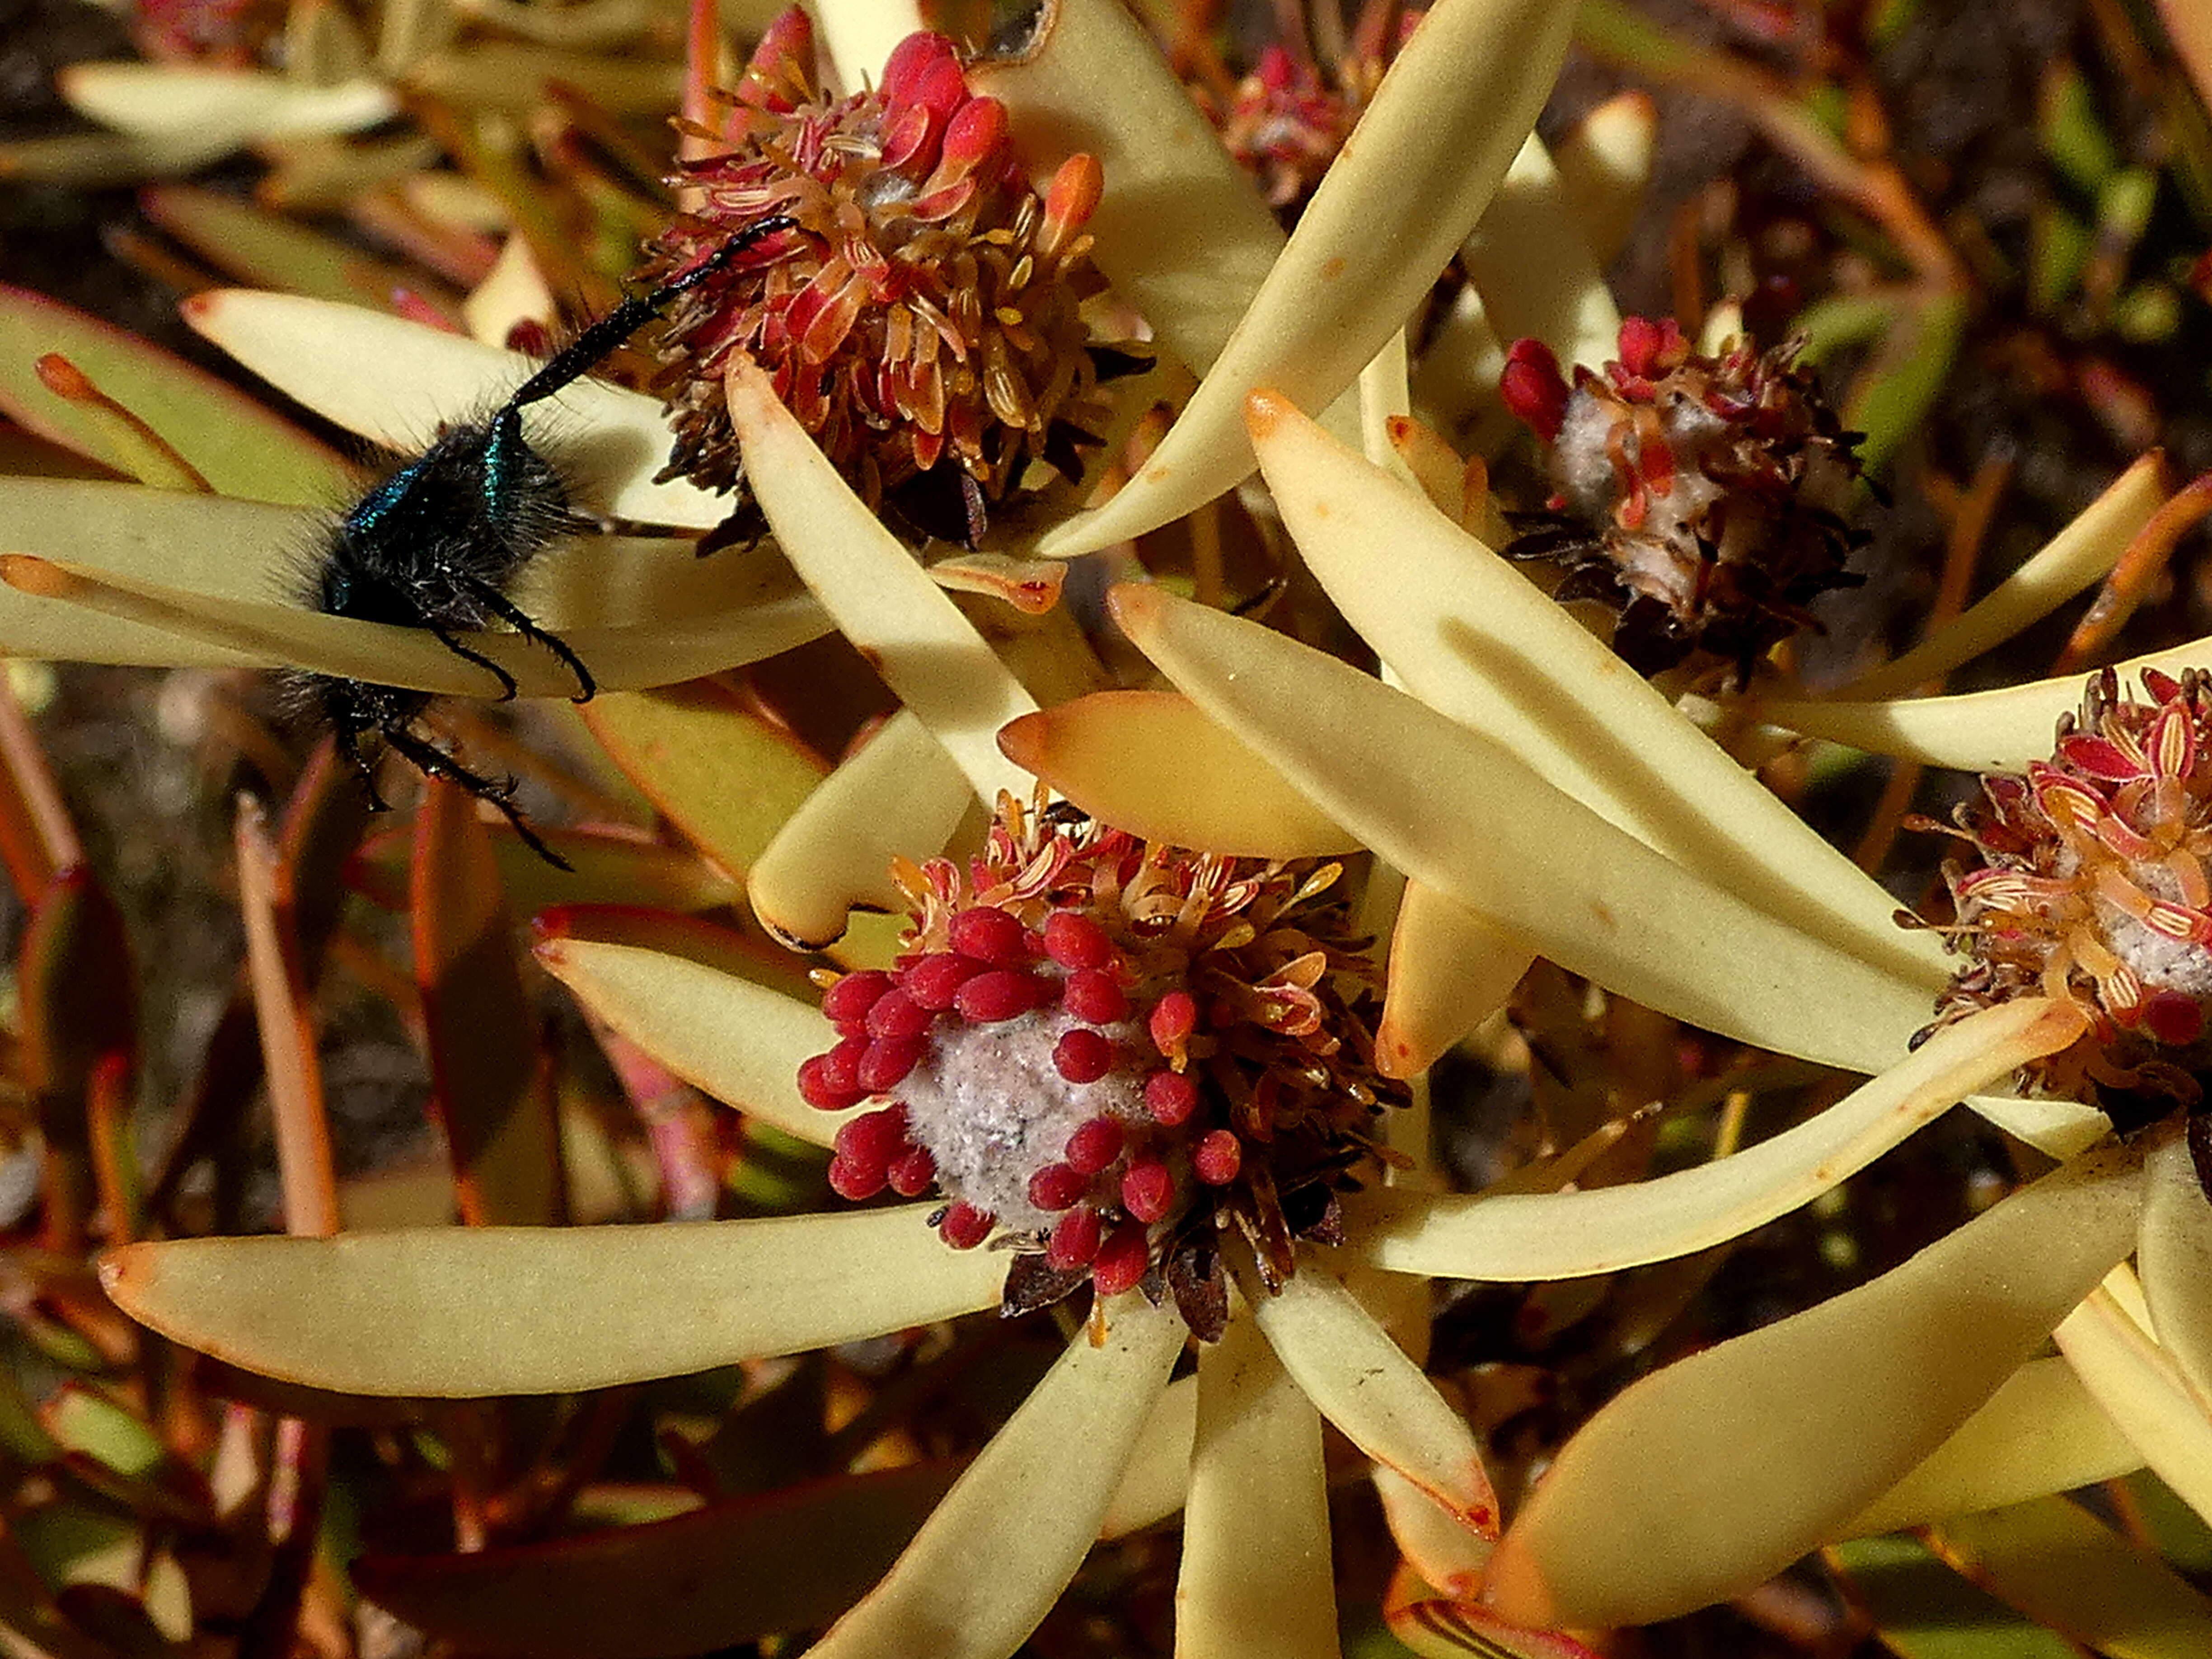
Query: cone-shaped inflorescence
point(923, 318)
point(1104, 1053)
point(1703, 497)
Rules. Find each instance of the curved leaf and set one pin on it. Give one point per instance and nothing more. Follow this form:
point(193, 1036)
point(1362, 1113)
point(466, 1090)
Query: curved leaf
point(885, 602)
point(238, 445)
point(737, 1041)
point(395, 382)
point(462, 1312)
point(1999, 731)
point(2089, 546)
point(111, 613)
point(1408, 186)
point(2174, 1257)
point(900, 794)
point(1550, 1235)
point(990, 1563)
point(1256, 1578)
point(1181, 233)
point(164, 99)
point(1153, 763)
point(1708, 1477)
point(1456, 809)
point(726, 777)
point(1450, 970)
point(1473, 638)
point(1531, 262)
point(2144, 1393)
point(1365, 1384)
point(2071, 1572)
point(2041, 1433)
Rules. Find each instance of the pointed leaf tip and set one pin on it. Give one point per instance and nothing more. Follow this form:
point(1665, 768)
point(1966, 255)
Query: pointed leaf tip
point(1265, 409)
point(26, 572)
point(1135, 606)
point(1023, 739)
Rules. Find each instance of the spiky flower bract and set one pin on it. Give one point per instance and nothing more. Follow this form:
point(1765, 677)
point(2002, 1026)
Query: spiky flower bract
point(1111, 1052)
point(1702, 495)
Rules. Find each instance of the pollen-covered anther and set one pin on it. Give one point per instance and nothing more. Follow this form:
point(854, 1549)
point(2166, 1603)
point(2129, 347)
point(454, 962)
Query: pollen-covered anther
point(934, 980)
point(1058, 1187)
point(1703, 497)
point(1094, 995)
point(924, 319)
point(1218, 1158)
point(2092, 887)
point(885, 1062)
point(1172, 1020)
point(1074, 1241)
point(1147, 1189)
point(1076, 942)
point(1096, 1145)
point(1084, 1055)
point(848, 1001)
point(963, 1226)
point(1122, 1260)
point(1171, 1098)
point(997, 993)
point(867, 1150)
point(990, 935)
point(1104, 1055)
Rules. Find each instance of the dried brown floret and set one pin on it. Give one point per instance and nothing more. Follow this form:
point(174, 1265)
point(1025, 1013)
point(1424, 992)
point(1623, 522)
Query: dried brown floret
point(1703, 497)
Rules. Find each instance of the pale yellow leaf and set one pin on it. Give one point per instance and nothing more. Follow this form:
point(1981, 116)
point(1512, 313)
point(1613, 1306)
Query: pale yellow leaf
point(738, 1041)
point(2041, 1433)
point(990, 1563)
point(1450, 970)
point(1549, 1236)
point(1256, 1578)
point(1157, 1477)
point(1707, 1478)
point(1181, 232)
point(857, 35)
point(165, 100)
point(1473, 638)
point(1365, 1384)
point(1456, 809)
point(2143, 1392)
point(468, 1311)
point(396, 383)
point(884, 602)
point(2082, 553)
point(1405, 190)
point(1604, 163)
point(900, 794)
point(1531, 262)
point(2175, 1259)
point(2068, 1571)
point(1152, 763)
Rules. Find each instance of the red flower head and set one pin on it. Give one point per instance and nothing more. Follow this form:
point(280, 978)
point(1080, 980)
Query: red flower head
point(1106, 1052)
point(923, 320)
point(2092, 886)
